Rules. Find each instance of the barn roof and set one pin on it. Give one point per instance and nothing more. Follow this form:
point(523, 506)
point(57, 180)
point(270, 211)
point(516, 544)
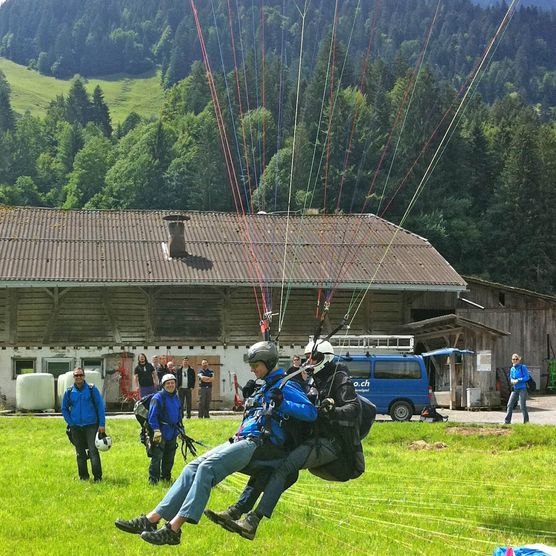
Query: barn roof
point(41, 247)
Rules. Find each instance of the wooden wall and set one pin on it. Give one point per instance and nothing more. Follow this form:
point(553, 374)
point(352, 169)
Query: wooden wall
point(529, 320)
point(171, 315)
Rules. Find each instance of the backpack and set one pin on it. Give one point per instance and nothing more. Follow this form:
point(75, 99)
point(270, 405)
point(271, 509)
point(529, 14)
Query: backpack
point(531, 384)
point(430, 415)
point(352, 462)
point(141, 412)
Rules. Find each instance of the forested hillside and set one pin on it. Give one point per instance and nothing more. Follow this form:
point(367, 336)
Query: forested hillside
point(99, 37)
point(345, 130)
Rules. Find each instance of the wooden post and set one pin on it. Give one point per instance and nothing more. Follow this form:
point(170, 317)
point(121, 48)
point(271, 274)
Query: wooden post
point(453, 382)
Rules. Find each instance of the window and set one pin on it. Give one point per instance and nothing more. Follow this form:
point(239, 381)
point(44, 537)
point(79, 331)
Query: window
point(92, 364)
point(409, 369)
point(57, 367)
point(359, 369)
point(22, 367)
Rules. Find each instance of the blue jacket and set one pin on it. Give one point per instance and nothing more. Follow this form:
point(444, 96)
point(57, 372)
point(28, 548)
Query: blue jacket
point(78, 408)
point(520, 373)
point(295, 404)
point(165, 415)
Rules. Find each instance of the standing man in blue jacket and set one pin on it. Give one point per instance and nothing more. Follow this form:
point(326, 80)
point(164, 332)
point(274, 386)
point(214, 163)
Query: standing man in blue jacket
point(83, 411)
point(261, 429)
point(519, 375)
point(165, 419)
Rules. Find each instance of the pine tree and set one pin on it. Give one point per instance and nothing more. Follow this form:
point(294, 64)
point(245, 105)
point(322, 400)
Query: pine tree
point(100, 114)
point(78, 106)
point(7, 118)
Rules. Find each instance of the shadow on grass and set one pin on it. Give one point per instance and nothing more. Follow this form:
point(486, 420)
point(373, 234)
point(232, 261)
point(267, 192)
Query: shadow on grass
point(116, 481)
point(536, 527)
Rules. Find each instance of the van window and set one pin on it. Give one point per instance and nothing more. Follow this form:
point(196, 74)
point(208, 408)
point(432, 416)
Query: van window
point(359, 369)
point(409, 369)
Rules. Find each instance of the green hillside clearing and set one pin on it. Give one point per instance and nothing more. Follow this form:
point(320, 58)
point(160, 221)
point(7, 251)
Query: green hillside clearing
point(123, 93)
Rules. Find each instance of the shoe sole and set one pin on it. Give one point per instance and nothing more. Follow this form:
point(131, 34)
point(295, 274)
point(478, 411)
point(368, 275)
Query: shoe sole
point(157, 541)
point(235, 528)
point(215, 518)
point(126, 529)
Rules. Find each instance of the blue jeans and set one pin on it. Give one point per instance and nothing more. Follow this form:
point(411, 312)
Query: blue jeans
point(162, 460)
point(313, 453)
point(522, 394)
point(189, 495)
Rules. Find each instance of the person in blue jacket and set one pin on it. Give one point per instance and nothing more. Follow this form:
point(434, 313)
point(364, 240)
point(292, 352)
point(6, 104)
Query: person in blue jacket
point(83, 411)
point(165, 419)
point(261, 428)
point(519, 375)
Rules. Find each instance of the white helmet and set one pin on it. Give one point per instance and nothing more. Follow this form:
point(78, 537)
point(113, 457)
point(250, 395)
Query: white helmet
point(167, 377)
point(323, 353)
point(103, 444)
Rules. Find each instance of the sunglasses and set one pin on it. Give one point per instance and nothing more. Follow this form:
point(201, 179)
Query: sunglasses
point(79, 374)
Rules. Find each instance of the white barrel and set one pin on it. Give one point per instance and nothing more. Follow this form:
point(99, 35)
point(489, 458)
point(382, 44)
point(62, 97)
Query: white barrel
point(65, 381)
point(34, 392)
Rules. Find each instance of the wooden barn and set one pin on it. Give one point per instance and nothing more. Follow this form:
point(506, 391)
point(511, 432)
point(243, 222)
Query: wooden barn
point(529, 317)
point(97, 288)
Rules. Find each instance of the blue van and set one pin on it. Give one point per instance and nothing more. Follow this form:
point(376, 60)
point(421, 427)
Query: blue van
point(397, 384)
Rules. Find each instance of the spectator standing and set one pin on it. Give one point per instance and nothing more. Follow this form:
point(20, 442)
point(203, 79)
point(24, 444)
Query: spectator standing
point(83, 411)
point(161, 370)
point(519, 375)
point(186, 383)
point(296, 364)
point(206, 378)
point(165, 419)
point(145, 375)
point(171, 368)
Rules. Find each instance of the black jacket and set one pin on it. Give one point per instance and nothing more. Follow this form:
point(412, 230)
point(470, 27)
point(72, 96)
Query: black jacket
point(189, 375)
point(342, 424)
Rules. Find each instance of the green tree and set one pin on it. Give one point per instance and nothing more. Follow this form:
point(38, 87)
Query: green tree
point(87, 178)
point(7, 118)
point(100, 114)
point(137, 179)
point(78, 105)
point(23, 193)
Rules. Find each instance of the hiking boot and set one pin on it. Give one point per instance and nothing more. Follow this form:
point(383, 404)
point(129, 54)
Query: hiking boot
point(135, 526)
point(164, 535)
point(224, 518)
point(246, 527)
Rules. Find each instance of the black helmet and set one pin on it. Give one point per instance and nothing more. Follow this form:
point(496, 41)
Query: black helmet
point(266, 352)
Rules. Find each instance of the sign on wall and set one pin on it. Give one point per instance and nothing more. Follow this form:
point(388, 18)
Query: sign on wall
point(484, 361)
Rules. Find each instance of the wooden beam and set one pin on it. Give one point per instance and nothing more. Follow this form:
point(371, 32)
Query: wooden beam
point(111, 317)
point(11, 316)
point(56, 294)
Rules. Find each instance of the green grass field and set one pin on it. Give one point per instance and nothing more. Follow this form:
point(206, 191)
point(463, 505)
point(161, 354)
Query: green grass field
point(486, 487)
point(123, 94)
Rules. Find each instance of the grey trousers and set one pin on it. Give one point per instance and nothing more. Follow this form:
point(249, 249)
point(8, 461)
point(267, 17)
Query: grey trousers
point(204, 402)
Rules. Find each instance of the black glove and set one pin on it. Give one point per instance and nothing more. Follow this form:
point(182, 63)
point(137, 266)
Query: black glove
point(276, 396)
point(248, 390)
point(101, 435)
point(326, 407)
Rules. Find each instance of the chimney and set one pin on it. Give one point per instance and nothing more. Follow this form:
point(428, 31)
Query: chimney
point(176, 240)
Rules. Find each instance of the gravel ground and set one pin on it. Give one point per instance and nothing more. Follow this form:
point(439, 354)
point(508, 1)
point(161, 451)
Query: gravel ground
point(542, 411)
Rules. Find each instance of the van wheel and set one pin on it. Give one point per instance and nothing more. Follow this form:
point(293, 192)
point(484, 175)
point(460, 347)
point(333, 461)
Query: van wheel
point(401, 411)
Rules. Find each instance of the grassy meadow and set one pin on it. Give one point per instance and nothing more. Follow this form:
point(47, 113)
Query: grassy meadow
point(123, 93)
point(429, 489)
